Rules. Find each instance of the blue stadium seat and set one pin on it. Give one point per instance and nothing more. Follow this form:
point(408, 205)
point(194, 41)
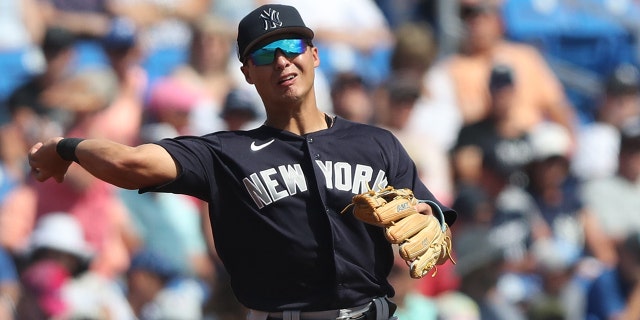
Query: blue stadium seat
point(583, 36)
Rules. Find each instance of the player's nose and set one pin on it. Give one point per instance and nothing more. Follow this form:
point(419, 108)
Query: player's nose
point(280, 59)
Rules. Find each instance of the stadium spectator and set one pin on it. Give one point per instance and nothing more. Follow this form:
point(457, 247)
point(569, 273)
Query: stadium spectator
point(537, 92)
point(42, 284)
point(88, 21)
point(561, 295)
point(31, 117)
point(556, 192)
point(351, 98)
point(156, 289)
point(496, 136)
point(479, 266)
point(415, 51)
point(163, 30)
point(618, 214)
point(398, 96)
point(615, 294)
point(209, 71)
point(239, 110)
point(122, 118)
point(171, 102)
point(57, 274)
point(598, 142)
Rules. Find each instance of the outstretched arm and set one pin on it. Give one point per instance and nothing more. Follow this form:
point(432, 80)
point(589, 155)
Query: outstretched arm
point(121, 165)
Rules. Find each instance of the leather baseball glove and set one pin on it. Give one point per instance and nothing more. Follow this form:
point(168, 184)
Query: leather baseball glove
point(422, 239)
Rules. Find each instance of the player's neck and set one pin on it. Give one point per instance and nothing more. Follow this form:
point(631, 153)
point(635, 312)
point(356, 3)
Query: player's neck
point(298, 122)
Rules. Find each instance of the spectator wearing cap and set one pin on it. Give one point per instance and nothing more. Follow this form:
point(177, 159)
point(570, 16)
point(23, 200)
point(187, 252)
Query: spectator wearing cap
point(615, 294)
point(597, 144)
point(171, 102)
point(59, 252)
point(239, 111)
point(575, 236)
point(556, 192)
point(497, 136)
point(121, 120)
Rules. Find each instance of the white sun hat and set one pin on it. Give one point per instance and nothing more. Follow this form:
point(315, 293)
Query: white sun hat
point(60, 231)
point(550, 139)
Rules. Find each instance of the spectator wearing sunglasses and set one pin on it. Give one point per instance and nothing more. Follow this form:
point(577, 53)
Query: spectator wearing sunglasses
point(538, 94)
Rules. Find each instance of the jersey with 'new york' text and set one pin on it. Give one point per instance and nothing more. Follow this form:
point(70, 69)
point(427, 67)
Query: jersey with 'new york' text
point(275, 201)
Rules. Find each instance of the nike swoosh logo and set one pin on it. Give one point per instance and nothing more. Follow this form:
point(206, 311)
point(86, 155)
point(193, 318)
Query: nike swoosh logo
point(255, 147)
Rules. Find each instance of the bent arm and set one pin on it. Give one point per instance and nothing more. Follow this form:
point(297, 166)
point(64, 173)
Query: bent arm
point(121, 165)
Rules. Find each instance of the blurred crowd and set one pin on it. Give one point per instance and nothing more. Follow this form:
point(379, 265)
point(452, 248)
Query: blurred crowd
point(547, 203)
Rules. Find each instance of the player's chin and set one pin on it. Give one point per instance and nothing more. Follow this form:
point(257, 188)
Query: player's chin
point(291, 94)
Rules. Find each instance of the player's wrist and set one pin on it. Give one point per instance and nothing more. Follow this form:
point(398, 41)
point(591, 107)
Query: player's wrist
point(66, 148)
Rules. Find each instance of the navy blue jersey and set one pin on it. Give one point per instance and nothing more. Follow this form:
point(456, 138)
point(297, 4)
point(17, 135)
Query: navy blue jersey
point(275, 200)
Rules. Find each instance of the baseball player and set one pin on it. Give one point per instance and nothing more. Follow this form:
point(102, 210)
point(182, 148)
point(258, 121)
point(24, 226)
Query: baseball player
point(275, 193)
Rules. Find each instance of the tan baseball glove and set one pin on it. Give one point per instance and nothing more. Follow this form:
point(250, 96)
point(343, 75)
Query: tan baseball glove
point(422, 239)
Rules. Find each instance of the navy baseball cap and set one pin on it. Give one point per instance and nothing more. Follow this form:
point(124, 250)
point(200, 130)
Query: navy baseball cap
point(501, 76)
point(268, 21)
point(625, 79)
point(238, 100)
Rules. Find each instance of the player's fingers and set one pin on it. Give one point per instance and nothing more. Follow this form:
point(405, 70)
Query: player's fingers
point(39, 174)
point(424, 208)
point(406, 227)
point(32, 152)
point(35, 148)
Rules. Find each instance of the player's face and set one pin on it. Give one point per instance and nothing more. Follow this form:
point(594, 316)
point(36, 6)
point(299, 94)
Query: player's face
point(282, 71)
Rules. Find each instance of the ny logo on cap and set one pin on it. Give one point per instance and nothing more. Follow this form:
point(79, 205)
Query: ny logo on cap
point(271, 19)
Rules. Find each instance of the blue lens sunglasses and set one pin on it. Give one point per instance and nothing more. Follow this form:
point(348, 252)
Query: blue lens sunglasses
point(289, 47)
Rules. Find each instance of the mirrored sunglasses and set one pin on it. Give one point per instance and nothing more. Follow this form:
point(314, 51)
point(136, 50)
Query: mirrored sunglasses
point(289, 47)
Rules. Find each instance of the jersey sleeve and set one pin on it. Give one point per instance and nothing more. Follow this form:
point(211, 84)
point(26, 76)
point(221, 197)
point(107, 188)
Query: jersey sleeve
point(195, 158)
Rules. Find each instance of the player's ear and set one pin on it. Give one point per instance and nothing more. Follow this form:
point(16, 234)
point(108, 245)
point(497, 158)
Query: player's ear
point(316, 57)
point(245, 72)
